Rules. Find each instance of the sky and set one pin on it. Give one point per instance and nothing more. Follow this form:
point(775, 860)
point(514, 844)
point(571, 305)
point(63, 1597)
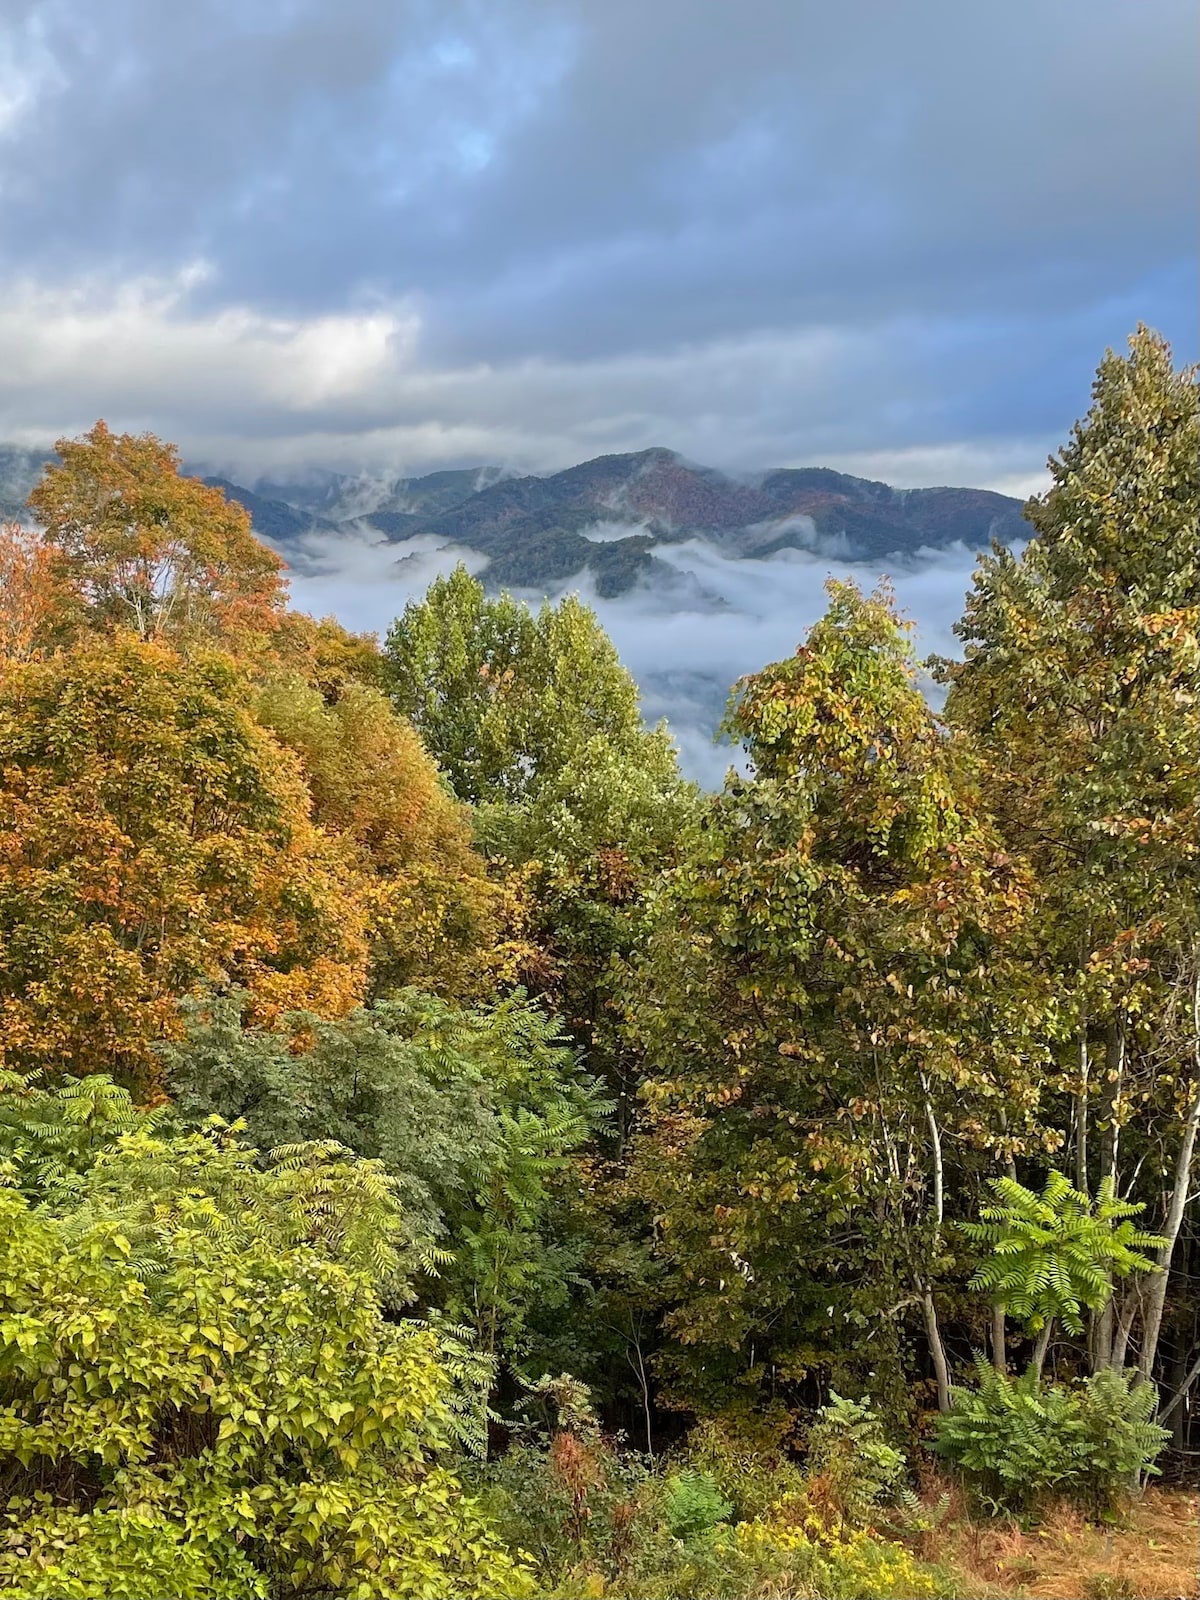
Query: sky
point(409, 234)
point(393, 236)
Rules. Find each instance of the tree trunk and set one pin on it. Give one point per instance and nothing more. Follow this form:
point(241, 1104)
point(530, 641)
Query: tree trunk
point(937, 1349)
point(999, 1360)
point(1114, 1063)
point(1103, 1322)
point(1177, 1398)
point(1156, 1297)
point(1120, 1342)
point(1081, 1115)
point(939, 1189)
point(1101, 1333)
point(1040, 1348)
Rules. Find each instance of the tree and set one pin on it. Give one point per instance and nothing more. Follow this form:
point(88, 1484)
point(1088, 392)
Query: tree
point(536, 724)
point(817, 1000)
point(505, 699)
point(325, 655)
point(153, 551)
point(1054, 1254)
point(473, 1112)
point(204, 1396)
point(152, 838)
point(451, 663)
point(433, 914)
point(34, 600)
point(1078, 690)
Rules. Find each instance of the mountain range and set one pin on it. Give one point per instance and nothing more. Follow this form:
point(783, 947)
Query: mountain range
point(605, 518)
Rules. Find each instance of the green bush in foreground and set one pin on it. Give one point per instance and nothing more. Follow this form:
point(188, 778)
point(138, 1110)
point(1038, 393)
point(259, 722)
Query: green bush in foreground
point(599, 1522)
point(200, 1394)
point(848, 1447)
point(1020, 1442)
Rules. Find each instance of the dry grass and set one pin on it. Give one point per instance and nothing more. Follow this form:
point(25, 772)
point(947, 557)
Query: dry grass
point(1153, 1553)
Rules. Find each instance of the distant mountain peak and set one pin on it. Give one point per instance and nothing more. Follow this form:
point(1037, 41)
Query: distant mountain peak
point(604, 518)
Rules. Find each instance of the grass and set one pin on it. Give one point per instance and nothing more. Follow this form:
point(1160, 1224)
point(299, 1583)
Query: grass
point(1151, 1553)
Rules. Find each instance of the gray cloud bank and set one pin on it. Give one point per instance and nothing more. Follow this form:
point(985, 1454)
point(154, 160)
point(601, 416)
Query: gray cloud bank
point(891, 239)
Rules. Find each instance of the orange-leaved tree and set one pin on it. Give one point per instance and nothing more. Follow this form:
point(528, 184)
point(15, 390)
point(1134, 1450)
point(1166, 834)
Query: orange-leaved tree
point(35, 600)
point(151, 550)
point(153, 837)
point(432, 910)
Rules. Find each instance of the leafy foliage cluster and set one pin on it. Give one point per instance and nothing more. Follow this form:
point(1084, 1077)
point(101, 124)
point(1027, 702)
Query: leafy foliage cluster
point(1020, 1441)
point(597, 1522)
point(474, 1114)
point(1054, 1253)
point(201, 1386)
point(848, 1447)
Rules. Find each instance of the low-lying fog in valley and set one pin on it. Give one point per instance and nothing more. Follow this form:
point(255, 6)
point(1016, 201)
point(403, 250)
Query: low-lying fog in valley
point(685, 642)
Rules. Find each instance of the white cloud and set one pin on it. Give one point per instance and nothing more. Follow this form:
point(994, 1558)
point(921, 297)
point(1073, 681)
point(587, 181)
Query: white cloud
point(136, 349)
point(684, 654)
point(249, 392)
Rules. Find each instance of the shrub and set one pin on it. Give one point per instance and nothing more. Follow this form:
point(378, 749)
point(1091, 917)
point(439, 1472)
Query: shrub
point(693, 1505)
point(752, 1473)
point(203, 1395)
point(571, 1500)
point(848, 1448)
point(809, 1562)
point(140, 1555)
point(1020, 1442)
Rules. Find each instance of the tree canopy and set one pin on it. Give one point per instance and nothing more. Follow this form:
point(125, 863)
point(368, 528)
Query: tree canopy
point(154, 837)
point(413, 1092)
point(151, 550)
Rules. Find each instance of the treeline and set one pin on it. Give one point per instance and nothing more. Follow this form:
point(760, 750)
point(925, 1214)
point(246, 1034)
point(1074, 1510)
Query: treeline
point(388, 1033)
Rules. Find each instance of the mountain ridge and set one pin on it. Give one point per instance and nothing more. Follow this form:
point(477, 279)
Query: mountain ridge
point(604, 517)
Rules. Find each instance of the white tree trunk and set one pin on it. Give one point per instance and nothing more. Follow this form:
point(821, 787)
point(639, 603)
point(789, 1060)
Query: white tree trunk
point(1156, 1297)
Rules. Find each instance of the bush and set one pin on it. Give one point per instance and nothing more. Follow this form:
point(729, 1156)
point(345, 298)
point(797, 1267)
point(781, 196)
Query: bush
point(752, 1473)
point(566, 1496)
point(761, 1561)
point(693, 1505)
point(1019, 1442)
point(203, 1394)
point(810, 1562)
point(136, 1554)
point(847, 1447)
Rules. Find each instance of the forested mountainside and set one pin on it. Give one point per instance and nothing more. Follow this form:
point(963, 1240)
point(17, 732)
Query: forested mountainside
point(606, 516)
point(445, 1154)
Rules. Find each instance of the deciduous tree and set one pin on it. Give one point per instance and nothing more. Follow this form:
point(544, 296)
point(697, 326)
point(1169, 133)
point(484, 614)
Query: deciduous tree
point(153, 837)
point(433, 915)
point(818, 1001)
point(151, 550)
point(35, 601)
point(1079, 691)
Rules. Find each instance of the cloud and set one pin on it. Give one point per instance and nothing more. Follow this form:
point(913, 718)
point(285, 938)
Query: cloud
point(397, 235)
point(249, 392)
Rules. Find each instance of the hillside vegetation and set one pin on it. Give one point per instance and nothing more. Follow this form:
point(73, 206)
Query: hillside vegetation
point(444, 1153)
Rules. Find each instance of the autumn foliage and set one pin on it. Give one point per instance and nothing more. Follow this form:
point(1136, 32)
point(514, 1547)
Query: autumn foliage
point(153, 837)
point(148, 549)
point(197, 787)
point(34, 598)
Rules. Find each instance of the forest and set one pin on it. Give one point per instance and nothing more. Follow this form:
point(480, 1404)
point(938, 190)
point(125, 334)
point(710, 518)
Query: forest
point(443, 1152)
